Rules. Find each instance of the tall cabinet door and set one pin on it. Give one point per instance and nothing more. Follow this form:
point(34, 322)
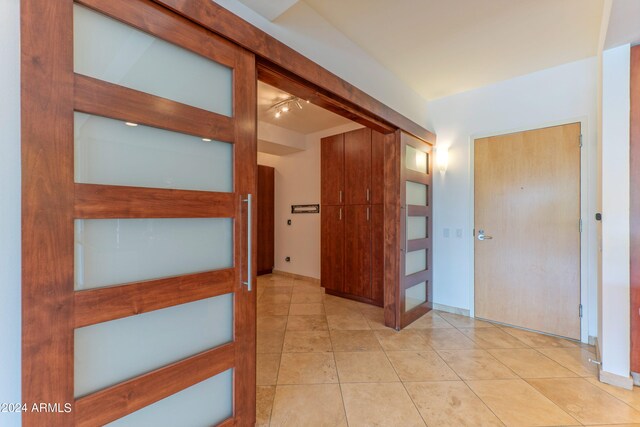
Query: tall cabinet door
point(357, 166)
point(377, 253)
point(332, 170)
point(332, 247)
point(357, 265)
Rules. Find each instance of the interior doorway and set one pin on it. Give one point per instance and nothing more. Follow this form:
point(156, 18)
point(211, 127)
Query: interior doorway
point(527, 229)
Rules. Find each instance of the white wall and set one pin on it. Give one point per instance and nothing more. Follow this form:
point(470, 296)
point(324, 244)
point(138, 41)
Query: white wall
point(10, 208)
point(297, 182)
point(303, 29)
point(562, 94)
point(614, 341)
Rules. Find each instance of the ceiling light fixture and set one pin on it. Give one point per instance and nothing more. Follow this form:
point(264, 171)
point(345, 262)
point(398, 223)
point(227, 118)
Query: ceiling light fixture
point(206, 139)
point(286, 105)
point(131, 124)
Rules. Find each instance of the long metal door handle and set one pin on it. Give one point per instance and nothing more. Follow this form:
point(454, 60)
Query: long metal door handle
point(340, 195)
point(367, 194)
point(249, 203)
point(367, 214)
point(340, 215)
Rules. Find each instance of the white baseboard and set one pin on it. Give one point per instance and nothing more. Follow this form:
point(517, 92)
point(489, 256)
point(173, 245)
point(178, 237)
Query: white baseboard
point(615, 379)
point(296, 276)
point(593, 340)
point(449, 309)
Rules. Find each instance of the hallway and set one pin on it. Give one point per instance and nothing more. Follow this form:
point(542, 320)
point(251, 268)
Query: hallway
point(328, 361)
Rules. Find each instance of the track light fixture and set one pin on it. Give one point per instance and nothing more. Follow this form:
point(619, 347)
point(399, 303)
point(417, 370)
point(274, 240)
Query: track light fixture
point(286, 105)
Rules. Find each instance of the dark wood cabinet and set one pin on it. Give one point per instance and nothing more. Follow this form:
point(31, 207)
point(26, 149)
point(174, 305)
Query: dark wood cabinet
point(352, 243)
point(357, 250)
point(265, 198)
point(332, 170)
point(332, 248)
point(357, 167)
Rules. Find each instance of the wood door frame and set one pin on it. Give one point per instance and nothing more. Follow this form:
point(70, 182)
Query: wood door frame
point(587, 226)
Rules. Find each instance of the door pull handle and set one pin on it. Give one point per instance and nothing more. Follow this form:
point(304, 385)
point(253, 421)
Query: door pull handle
point(482, 236)
point(249, 203)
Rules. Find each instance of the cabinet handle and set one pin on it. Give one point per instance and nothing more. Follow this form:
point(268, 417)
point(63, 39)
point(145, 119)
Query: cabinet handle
point(340, 215)
point(367, 214)
point(367, 194)
point(340, 195)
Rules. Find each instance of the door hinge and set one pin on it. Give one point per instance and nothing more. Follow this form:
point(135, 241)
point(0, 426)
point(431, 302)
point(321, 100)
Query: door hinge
point(580, 141)
point(580, 225)
point(580, 310)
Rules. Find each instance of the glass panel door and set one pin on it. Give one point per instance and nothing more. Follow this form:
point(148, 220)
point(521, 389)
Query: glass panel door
point(143, 311)
point(415, 266)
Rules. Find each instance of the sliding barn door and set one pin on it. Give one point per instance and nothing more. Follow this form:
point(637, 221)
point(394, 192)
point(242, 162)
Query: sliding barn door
point(416, 294)
point(139, 157)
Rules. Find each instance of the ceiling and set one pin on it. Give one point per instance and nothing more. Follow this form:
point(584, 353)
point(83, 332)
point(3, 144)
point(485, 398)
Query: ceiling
point(309, 119)
point(442, 47)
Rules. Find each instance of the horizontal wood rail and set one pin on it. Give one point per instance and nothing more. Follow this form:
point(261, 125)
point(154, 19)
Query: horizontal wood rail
point(229, 422)
point(112, 201)
point(416, 210)
point(275, 76)
point(97, 97)
point(418, 177)
point(417, 244)
point(122, 399)
point(100, 305)
point(415, 278)
point(267, 48)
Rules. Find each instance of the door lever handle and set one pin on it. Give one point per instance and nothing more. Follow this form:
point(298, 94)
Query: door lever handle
point(482, 236)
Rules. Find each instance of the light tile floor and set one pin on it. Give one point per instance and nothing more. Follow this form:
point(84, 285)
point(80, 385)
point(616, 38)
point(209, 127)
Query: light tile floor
point(328, 361)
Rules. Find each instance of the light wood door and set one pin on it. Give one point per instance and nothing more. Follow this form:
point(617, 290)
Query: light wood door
point(357, 167)
point(527, 204)
point(139, 159)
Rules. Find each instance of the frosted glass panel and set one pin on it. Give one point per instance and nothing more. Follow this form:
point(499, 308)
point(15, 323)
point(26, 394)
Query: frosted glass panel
point(415, 261)
point(111, 352)
point(109, 50)
point(416, 227)
point(109, 152)
point(416, 194)
point(114, 251)
point(416, 160)
point(415, 295)
point(205, 404)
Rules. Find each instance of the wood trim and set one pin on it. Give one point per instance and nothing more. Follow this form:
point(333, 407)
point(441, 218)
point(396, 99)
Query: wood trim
point(418, 177)
point(392, 230)
point(47, 208)
point(635, 208)
point(105, 99)
point(415, 278)
point(104, 304)
point(417, 210)
point(418, 244)
point(246, 171)
point(414, 314)
point(229, 422)
point(111, 201)
point(122, 399)
point(280, 78)
point(269, 49)
point(152, 18)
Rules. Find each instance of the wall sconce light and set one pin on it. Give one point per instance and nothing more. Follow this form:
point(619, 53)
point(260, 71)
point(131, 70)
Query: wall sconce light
point(442, 158)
